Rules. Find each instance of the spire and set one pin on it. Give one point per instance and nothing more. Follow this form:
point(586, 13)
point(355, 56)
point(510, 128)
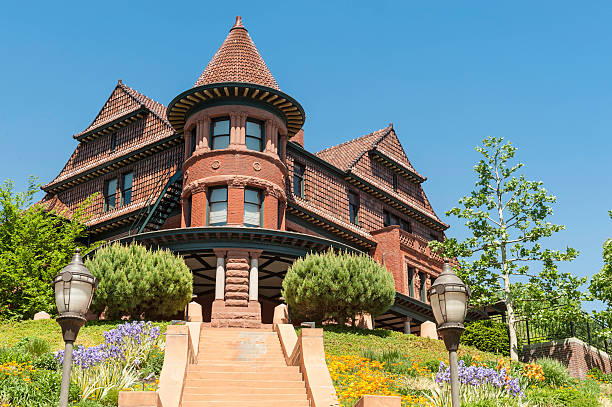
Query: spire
point(237, 60)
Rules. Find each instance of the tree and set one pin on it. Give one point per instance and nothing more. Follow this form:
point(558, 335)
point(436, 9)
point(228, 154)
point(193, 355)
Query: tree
point(34, 246)
point(507, 217)
point(601, 285)
point(140, 283)
point(325, 286)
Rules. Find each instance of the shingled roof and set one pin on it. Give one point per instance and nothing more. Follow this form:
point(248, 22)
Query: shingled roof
point(134, 100)
point(237, 60)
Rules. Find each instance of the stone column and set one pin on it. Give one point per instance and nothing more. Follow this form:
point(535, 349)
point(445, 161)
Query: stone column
point(268, 141)
point(220, 277)
point(283, 147)
point(236, 286)
point(254, 276)
point(203, 134)
point(407, 322)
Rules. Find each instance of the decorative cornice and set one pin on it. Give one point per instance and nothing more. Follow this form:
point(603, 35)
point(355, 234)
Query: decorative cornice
point(240, 181)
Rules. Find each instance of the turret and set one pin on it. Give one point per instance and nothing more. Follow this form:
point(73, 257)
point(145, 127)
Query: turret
point(236, 122)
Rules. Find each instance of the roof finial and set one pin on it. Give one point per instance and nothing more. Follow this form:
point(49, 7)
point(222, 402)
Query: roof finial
point(238, 23)
point(119, 81)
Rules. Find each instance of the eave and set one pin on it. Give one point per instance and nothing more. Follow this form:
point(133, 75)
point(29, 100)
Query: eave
point(114, 164)
point(199, 97)
point(336, 229)
point(113, 126)
point(397, 167)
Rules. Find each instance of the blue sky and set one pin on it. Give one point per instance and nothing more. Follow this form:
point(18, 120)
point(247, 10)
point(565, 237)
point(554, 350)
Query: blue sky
point(446, 74)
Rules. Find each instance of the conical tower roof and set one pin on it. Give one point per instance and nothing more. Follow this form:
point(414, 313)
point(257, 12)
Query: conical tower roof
point(237, 60)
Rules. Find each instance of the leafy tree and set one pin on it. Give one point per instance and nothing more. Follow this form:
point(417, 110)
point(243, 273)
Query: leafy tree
point(601, 285)
point(325, 286)
point(138, 282)
point(34, 246)
point(507, 216)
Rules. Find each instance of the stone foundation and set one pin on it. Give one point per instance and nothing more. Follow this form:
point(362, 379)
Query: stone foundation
point(225, 315)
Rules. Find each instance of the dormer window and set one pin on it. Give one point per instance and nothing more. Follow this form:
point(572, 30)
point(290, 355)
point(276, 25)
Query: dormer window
point(354, 208)
point(390, 219)
point(113, 142)
point(220, 134)
point(298, 179)
point(110, 194)
point(254, 135)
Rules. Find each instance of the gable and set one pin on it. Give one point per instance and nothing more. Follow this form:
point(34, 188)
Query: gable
point(118, 104)
point(391, 146)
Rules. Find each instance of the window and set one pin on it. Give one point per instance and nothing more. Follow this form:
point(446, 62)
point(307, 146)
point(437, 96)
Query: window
point(192, 141)
point(423, 290)
point(254, 135)
point(126, 188)
point(113, 142)
point(217, 206)
point(298, 180)
point(354, 208)
point(188, 211)
point(411, 281)
point(220, 133)
point(252, 207)
point(280, 215)
point(394, 182)
point(390, 219)
point(110, 194)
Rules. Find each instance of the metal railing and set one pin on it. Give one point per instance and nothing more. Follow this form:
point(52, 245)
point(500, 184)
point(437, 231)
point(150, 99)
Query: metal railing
point(583, 327)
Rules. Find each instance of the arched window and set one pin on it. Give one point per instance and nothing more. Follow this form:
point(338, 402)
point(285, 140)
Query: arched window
point(220, 133)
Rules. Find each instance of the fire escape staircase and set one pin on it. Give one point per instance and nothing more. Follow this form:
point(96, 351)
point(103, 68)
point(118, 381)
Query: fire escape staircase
point(153, 215)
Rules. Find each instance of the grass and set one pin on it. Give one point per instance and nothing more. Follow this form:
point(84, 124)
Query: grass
point(50, 331)
point(344, 340)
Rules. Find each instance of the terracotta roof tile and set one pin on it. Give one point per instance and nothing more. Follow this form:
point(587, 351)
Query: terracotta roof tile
point(345, 155)
point(237, 60)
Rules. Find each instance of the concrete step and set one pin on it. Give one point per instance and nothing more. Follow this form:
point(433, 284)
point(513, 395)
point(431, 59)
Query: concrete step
point(271, 397)
point(247, 367)
point(245, 390)
point(245, 404)
point(276, 376)
point(214, 383)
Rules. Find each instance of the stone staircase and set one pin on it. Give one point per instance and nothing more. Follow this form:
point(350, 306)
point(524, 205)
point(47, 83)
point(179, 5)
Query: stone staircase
point(242, 367)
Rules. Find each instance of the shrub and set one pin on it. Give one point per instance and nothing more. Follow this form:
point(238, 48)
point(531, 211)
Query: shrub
point(33, 345)
point(488, 336)
point(555, 373)
point(138, 282)
point(325, 286)
point(46, 361)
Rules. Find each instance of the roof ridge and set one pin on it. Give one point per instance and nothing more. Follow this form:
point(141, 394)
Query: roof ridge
point(144, 99)
point(352, 140)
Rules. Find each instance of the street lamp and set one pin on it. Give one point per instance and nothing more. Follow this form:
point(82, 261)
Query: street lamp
point(74, 287)
point(449, 298)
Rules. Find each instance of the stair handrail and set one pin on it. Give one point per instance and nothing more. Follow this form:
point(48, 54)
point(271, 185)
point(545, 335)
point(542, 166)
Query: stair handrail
point(177, 175)
point(144, 211)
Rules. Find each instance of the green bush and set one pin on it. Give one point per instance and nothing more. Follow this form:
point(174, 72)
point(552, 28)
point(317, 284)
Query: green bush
point(555, 373)
point(394, 361)
point(488, 336)
point(33, 345)
point(138, 282)
point(582, 395)
point(46, 361)
point(325, 286)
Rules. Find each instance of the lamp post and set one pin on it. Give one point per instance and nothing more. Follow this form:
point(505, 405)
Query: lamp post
point(74, 287)
point(449, 298)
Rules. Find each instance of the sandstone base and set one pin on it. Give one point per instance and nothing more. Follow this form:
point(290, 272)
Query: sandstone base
point(228, 316)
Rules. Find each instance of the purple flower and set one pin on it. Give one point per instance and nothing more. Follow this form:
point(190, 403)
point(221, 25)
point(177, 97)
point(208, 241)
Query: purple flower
point(481, 376)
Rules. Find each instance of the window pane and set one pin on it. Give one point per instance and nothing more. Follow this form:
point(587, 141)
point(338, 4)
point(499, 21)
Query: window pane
point(251, 214)
point(253, 129)
point(253, 143)
point(192, 140)
point(297, 186)
point(251, 196)
point(127, 180)
point(188, 212)
point(218, 195)
point(221, 127)
point(111, 187)
point(220, 142)
point(218, 213)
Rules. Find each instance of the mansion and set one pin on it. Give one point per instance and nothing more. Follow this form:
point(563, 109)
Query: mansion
point(221, 177)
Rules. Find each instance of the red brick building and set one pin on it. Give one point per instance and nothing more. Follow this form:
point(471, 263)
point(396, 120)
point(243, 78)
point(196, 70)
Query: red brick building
point(221, 176)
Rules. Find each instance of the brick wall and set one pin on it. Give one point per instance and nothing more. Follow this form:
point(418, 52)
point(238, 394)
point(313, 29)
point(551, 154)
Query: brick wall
point(578, 356)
